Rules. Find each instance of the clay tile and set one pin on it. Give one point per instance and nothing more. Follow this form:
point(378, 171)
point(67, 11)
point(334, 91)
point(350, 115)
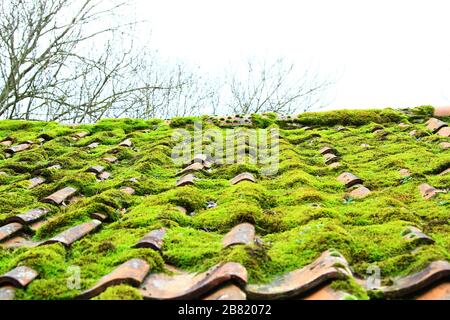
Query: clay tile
point(99, 216)
point(131, 272)
point(404, 173)
point(18, 148)
point(439, 292)
point(415, 235)
point(154, 240)
point(376, 128)
point(334, 165)
point(434, 124)
point(9, 229)
point(328, 266)
point(349, 179)
point(446, 171)
point(184, 286)
point(186, 180)
point(34, 182)
point(128, 190)
point(96, 169)
point(7, 293)
point(243, 233)
point(413, 133)
point(403, 125)
point(73, 234)
point(200, 157)
point(126, 143)
point(6, 142)
point(18, 277)
point(60, 196)
point(82, 134)
point(229, 292)
point(442, 111)
point(181, 209)
point(104, 175)
point(412, 283)
point(330, 158)
point(326, 150)
point(29, 216)
point(93, 145)
point(110, 159)
point(444, 132)
point(445, 145)
point(427, 191)
point(196, 166)
point(246, 176)
point(55, 167)
point(359, 193)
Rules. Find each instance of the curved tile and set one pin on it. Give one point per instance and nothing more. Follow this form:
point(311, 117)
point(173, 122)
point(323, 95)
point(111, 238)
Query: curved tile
point(161, 286)
point(326, 150)
point(29, 216)
point(349, 179)
point(415, 235)
point(60, 196)
point(154, 240)
point(131, 272)
point(228, 292)
point(245, 176)
point(428, 191)
point(7, 293)
point(186, 180)
point(407, 285)
point(359, 193)
point(73, 234)
point(444, 132)
point(9, 229)
point(434, 124)
point(128, 190)
point(126, 143)
point(243, 233)
point(330, 158)
point(439, 292)
point(34, 182)
point(196, 166)
point(328, 266)
point(18, 277)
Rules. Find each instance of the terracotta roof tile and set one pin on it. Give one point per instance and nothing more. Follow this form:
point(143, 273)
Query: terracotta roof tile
point(243, 233)
point(18, 277)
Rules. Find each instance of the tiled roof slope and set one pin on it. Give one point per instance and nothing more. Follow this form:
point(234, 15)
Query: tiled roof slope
point(94, 211)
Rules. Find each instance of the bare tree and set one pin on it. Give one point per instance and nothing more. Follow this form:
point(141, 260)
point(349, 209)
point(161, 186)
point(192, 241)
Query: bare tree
point(274, 87)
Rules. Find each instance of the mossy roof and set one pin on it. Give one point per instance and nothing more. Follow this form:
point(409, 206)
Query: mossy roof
point(298, 213)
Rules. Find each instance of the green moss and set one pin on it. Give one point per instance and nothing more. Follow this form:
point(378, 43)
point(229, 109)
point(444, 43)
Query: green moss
point(120, 292)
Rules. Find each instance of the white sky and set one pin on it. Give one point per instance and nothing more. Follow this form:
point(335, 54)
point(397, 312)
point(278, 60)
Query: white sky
point(382, 53)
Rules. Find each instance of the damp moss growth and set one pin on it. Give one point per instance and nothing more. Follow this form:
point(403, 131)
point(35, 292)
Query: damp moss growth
point(298, 212)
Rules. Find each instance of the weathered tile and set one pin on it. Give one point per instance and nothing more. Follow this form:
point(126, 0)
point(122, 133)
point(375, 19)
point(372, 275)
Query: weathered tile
point(104, 175)
point(196, 166)
point(445, 145)
point(55, 167)
point(186, 180)
point(446, 171)
point(18, 241)
point(439, 292)
point(29, 216)
point(161, 286)
point(413, 133)
point(410, 284)
point(34, 182)
point(73, 234)
point(96, 169)
point(330, 158)
point(349, 179)
point(154, 240)
point(404, 173)
point(181, 209)
point(326, 293)
point(228, 292)
point(128, 190)
point(403, 125)
point(126, 143)
point(326, 150)
point(93, 145)
point(415, 235)
point(131, 272)
point(98, 216)
point(334, 165)
point(245, 176)
point(60, 196)
point(434, 124)
point(243, 233)
point(18, 277)
point(328, 266)
point(200, 158)
point(444, 132)
point(428, 191)
point(9, 229)
point(110, 159)
point(7, 293)
point(81, 134)
point(18, 148)
point(359, 193)
point(6, 142)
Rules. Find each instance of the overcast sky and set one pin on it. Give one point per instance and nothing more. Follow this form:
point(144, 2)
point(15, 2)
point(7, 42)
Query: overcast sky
point(381, 53)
